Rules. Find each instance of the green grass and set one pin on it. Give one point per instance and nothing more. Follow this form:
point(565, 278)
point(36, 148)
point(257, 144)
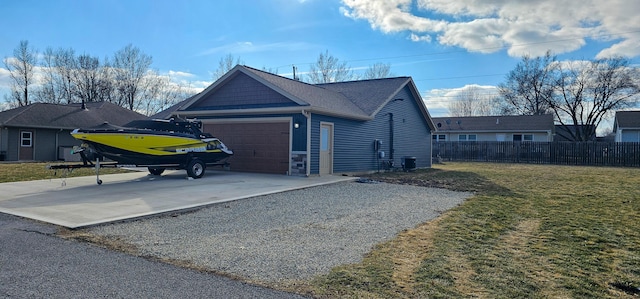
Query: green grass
point(16, 172)
point(530, 231)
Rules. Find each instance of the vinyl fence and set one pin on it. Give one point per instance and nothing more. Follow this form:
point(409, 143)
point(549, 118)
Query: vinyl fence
point(560, 153)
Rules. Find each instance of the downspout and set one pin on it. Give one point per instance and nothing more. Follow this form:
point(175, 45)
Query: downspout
point(56, 150)
point(391, 150)
point(308, 167)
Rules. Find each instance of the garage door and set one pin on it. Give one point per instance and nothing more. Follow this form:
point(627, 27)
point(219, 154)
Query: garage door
point(257, 147)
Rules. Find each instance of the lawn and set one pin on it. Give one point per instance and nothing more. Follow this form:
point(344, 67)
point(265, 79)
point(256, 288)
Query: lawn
point(16, 172)
point(530, 231)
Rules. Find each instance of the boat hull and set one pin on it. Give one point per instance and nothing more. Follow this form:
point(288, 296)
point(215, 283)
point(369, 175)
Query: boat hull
point(154, 149)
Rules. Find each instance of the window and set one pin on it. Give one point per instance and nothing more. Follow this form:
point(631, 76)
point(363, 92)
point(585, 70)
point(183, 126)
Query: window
point(439, 137)
point(467, 137)
point(324, 139)
point(522, 137)
point(26, 139)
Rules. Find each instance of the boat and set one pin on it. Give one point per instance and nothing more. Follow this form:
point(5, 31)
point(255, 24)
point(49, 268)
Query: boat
point(155, 144)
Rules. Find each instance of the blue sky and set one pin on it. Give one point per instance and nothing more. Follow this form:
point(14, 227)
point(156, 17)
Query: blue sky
point(443, 45)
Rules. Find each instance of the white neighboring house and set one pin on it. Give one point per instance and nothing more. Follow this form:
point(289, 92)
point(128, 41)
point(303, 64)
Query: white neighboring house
point(533, 128)
point(626, 126)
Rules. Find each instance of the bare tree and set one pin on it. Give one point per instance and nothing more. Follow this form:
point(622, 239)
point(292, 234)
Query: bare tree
point(87, 78)
point(588, 92)
point(377, 71)
point(47, 91)
point(471, 101)
point(130, 66)
point(21, 70)
point(225, 65)
point(329, 69)
point(161, 93)
point(530, 86)
point(65, 63)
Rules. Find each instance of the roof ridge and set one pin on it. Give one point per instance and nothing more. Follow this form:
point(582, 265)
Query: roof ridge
point(28, 107)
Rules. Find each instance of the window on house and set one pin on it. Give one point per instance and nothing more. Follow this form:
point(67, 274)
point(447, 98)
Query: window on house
point(26, 139)
point(467, 137)
point(522, 137)
point(439, 137)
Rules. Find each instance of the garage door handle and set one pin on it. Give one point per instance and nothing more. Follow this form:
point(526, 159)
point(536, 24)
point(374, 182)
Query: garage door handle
point(254, 153)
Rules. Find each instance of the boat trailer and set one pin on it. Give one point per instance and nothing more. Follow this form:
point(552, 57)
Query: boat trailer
point(153, 169)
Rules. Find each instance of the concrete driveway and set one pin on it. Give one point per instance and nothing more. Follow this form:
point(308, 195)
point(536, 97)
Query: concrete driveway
point(79, 202)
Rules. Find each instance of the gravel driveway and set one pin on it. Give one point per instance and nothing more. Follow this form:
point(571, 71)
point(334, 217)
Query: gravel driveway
point(287, 236)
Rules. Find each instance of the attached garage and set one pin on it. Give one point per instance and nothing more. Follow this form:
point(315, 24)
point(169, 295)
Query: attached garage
point(258, 146)
point(283, 126)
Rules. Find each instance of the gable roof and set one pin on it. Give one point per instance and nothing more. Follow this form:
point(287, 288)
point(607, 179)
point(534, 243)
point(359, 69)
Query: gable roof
point(167, 113)
point(354, 99)
point(627, 119)
point(72, 116)
point(509, 123)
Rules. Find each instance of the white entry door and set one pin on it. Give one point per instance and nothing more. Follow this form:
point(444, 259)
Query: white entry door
point(326, 148)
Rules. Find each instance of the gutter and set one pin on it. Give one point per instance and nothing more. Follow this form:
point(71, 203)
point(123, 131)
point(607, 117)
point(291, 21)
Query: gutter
point(279, 110)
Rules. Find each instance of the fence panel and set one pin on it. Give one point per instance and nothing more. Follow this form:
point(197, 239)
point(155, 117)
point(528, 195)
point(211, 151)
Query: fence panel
point(560, 153)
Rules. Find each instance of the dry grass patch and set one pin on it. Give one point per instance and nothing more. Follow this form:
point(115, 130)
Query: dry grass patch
point(531, 231)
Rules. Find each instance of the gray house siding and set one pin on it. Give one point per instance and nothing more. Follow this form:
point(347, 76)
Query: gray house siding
point(46, 143)
point(299, 136)
point(630, 135)
point(4, 143)
point(412, 136)
point(240, 92)
point(354, 152)
point(12, 143)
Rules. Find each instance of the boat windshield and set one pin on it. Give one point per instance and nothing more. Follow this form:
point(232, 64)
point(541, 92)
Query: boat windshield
point(161, 125)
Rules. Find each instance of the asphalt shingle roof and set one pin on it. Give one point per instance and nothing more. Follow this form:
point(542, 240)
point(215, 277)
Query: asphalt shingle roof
point(628, 119)
point(361, 99)
point(313, 95)
point(72, 116)
point(495, 123)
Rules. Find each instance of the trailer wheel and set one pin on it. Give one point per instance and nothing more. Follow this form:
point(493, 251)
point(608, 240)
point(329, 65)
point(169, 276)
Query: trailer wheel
point(155, 171)
point(195, 168)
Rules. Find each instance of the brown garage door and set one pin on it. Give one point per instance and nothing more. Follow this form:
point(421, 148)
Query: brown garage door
point(257, 147)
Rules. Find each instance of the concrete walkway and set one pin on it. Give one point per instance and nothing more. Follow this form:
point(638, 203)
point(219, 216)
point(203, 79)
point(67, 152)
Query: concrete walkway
point(79, 202)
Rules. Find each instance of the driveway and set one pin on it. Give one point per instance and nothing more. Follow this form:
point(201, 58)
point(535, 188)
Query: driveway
point(34, 263)
point(79, 202)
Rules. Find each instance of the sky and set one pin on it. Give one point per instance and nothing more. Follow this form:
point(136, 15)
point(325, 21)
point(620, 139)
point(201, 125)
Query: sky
point(443, 45)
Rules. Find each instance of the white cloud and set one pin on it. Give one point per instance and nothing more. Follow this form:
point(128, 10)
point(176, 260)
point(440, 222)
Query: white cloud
point(5, 79)
point(522, 26)
point(420, 38)
point(179, 74)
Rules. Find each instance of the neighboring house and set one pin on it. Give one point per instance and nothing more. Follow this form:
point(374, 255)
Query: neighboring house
point(279, 125)
point(570, 132)
point(495, 128)
point(40, 131)
point(626, 126)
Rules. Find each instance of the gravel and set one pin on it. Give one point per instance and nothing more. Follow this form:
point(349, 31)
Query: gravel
point(287, 236)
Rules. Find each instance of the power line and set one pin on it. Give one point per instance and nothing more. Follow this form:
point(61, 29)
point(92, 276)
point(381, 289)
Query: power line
point(465, 51)
point(459, 77)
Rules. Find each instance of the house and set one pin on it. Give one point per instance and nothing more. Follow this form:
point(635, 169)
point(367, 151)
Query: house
point(626, 126)
point(495, 128)
point(40, 131)
point(280, 125)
